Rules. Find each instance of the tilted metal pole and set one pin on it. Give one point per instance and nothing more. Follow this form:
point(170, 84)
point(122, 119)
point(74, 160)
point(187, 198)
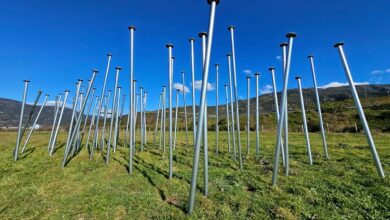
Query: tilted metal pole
point(106, 104)
point(57, 108)
point(134, 119)
point(216, 108)
point(362, 116)
point(157, 118)
point(82, 109)
point(286, 151)
point(96, 138)
point(35, 123)
point(272, 70)
point(203, 36)
point(113, 110)
point(117, 118)
point(195, 167)
point(229, 57)
point(304, 120)
point(164, 117)
point(141, 124)
point(137, 97)
point(92, 122)
point(88, 113)
point(170, 79)
point(66, 93)
point(176, 111)
point(185, 106)
point(131, 99)
point(319, 107)
point(290, 37)
point(248, 79)
point(31, 113)
point(72, 120)
point(231, 29)
point(192, 40)
point(145, 131)
point(227, 116)
point(257, 75)
point(19, 137)
point(120, 118)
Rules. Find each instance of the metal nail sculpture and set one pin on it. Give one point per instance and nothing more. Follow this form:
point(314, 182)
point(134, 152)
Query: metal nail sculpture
point(257, 75)
point(313, 72)
point(19, 137)
point(213, 4)
point(304, 120)
point(362, 116)
point(231, 29)
point(290, 37)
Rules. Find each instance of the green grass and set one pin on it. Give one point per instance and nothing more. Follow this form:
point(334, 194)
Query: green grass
point(346, 186)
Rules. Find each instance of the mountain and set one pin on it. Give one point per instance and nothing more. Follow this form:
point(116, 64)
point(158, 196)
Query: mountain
point(10, 109)
point(10, 113)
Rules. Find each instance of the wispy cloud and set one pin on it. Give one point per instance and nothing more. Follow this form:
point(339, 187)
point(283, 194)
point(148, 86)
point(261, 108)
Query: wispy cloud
point(266, 89)
point(339, 84)
point(248, 72)
point(198, 85)
point(53, 103)
point(376, 72)
point(179, 86)
point(279, 58)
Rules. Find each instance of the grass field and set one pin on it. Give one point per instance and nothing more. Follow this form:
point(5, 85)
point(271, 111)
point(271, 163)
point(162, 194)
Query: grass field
point(345, 187)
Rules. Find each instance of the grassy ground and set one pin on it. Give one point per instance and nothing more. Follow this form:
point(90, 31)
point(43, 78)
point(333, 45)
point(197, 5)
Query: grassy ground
point(346, 186)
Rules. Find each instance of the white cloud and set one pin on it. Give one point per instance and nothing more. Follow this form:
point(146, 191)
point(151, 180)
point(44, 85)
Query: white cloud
point(53, 103)
point(248, 72)
point(339, 84)
point(179, 86)
point(266, 89)
point(376, 72)
point(279, 58)
point(198, 85)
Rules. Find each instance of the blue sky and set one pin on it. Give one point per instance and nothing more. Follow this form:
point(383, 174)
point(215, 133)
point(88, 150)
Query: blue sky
point(53, 43)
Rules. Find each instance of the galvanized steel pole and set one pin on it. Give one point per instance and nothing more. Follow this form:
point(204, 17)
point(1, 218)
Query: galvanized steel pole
point(59, 122)
point(257, 115)
point(227, 116)
point(170, 79)
point(362, 116)
point(319, 107)
point(19, 137)
point(191, 200)
point(192, 40)
point(304, 120)
point(157, 118)
point(231, 29)
point(177, 109)
point(248, 79)
point(290, 37)
point(216, 108)
point(131, 99)
point(272, 70)
point(231, 106)
point(96, 138)
point(35, 123)
point(185, 107)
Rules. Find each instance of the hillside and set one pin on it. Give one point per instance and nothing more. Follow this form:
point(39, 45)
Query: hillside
point(10, 113)
point(336, 105)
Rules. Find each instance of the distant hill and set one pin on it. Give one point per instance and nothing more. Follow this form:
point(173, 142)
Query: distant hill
point(10, 113)
point(10, 109)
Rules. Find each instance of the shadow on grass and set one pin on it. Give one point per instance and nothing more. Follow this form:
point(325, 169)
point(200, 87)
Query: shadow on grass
point(160, 191)
point(27, 152)
point(57, 148)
